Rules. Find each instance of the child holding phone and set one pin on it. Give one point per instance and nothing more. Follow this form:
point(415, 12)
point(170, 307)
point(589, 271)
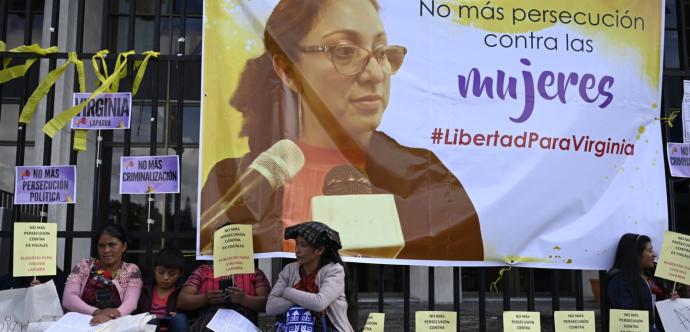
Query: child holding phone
point(159, 296)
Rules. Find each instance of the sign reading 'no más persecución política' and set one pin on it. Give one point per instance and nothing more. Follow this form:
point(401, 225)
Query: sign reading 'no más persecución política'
point(45, 184)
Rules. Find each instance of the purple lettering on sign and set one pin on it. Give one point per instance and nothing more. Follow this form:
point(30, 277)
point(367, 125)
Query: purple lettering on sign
point(588, 88)
point(45, 184)
point(105, 111)
point(149, 175)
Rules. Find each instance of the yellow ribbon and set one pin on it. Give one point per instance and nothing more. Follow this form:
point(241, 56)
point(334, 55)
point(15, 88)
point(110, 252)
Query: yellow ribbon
point(120, 71)
point(142, 69)
point(8, 74)
point(670, 118)
point(513, 260)
point(57, 123)
point(50, 79)
point(100, 55)
point(494, 285)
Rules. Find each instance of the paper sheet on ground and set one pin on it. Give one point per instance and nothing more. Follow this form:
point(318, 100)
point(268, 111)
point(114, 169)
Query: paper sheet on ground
point(227, 320)
point(76, 322)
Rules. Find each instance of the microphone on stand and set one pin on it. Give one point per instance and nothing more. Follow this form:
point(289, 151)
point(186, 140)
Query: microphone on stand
point(366, 219)
point(346, 180)
point(274, 167)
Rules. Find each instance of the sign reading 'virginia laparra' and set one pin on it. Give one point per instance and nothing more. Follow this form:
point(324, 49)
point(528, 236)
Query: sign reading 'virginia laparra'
point(105, 111)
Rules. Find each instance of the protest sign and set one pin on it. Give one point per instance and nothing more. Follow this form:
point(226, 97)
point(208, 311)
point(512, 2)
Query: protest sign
point(233, 250)
point(516, 321)
point(565, 321)
point(679, 159)
point(375, 322)
point(477, 116)
point(628, 320)
point(105, 111)
point(149, 174)
point(430, 321)
point(35, 249)
point(45, 184)
point(674, 258)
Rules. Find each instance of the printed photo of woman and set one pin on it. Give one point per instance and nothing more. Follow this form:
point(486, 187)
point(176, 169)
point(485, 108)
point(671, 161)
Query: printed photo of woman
point(324, 82)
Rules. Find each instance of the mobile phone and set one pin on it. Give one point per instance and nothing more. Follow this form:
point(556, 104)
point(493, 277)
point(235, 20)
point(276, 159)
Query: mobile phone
point(225, 283)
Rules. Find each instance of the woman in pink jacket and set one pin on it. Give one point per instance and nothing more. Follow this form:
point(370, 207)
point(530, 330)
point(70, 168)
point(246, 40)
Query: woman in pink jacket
point(104, 287)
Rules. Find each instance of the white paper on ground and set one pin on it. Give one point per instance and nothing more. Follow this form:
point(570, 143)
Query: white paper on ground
point(129, 323)
point(228, 320)
point(39, 327)
point(75, 322)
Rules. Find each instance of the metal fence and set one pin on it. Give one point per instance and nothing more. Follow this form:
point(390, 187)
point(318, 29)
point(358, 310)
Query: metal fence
point(170, 94)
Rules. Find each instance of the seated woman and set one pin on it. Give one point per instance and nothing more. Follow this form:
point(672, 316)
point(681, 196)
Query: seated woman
point(244, 293)
point(628, 287)
point(316, 281)
point(104, 287)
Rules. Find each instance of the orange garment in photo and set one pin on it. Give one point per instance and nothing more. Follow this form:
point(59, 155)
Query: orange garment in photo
point(309, 183)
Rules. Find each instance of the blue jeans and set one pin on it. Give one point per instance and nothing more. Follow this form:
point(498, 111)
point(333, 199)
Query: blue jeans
point(179, 323)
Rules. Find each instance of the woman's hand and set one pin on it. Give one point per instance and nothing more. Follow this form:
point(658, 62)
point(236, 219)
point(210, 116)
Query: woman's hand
point(236, 294)
point(215, 296)
point(674, 296)
point(101, 316)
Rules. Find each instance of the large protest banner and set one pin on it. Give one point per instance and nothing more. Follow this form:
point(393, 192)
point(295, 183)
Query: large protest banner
point(451, 124)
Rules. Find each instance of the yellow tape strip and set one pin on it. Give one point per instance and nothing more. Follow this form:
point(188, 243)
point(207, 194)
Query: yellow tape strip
point(80, 135)
point(80, 139)
point(494, 285)
point(142, 70)
point(513, 260)
point(8, 74)
point(42, 90)
point(57, 123)
point(120, 71)
point(100, 55)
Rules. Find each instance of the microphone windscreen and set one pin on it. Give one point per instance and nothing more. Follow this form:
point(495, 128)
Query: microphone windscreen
point(346, 180)
point(280, 163)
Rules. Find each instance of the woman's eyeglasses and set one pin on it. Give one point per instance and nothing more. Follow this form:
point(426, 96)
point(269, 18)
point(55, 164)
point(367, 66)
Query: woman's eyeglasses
point(350, 60)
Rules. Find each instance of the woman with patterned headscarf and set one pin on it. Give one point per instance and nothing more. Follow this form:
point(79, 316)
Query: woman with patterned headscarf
point(315, 282)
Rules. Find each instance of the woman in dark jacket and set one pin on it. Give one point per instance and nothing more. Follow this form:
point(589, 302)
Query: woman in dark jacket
point(627, 287)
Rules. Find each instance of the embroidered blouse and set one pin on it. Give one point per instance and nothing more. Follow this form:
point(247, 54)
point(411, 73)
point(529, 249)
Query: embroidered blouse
point(128, 283)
